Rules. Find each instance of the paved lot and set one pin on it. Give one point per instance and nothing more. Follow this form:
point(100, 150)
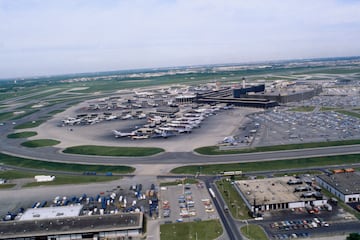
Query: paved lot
point(176, 196)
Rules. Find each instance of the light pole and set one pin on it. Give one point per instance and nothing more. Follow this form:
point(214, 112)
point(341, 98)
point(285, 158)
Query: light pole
point(247, 226)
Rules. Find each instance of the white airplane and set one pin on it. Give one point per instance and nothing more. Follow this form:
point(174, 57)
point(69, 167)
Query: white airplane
point(142, 116)
point(128, 116)
point(111, 117)
point(71, 121)
point(119, 134)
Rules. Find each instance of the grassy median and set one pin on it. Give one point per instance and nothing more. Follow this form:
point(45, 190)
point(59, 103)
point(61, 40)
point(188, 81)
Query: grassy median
point(22, 135)
point(214, 150)
point(113, 151)
point(40, 143)
point(253, 232)
point(56, 166)
point(269, 165)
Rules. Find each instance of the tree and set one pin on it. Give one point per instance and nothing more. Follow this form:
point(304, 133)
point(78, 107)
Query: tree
point(353, 236)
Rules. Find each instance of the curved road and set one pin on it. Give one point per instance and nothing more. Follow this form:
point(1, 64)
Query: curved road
point(12, 147)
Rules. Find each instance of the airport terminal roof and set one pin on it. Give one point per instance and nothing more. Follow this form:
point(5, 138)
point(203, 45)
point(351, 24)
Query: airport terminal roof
point(346, 183)
point(51, 212)
point(270, 191)
point(74, 225)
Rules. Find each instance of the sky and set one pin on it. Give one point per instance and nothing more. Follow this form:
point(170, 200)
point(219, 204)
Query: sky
point(47, 37)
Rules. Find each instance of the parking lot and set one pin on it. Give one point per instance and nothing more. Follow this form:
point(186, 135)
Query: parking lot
point(186, 203)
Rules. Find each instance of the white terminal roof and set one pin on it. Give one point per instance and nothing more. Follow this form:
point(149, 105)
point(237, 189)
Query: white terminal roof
point(51, 212)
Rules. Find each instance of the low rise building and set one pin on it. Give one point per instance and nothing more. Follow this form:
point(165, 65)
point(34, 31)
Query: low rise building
point(277, 194)
point(344, 185)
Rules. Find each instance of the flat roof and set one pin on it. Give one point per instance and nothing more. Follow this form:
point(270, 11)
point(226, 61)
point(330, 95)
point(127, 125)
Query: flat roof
point(346, 183)
point(270, 191)
point(83, 224)
point(51, 212)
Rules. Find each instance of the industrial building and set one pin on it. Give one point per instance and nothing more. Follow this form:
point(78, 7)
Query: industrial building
point(277, 194)
point(344, 185)
point(65, 223)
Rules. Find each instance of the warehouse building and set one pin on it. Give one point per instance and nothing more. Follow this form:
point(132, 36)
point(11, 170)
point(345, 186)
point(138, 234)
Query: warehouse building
point(277, 194)
point(114, 226)
point(344, 185)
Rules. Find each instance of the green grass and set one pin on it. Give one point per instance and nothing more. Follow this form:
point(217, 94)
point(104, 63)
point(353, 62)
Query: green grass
point(6, 116)
point(22, 135)
point(327, 109)
point(204, 230)
point(270, 165)
point(56, 111)
point(15, 174)
point(349, 113)
point(66, 179)
point(233, 200)
point(29, 124)
point(214, 150)
point(54, 166)
point(7, 186)
point(113, 151)
point(40, 143)
point(303, 109)
point(179, 181)
point(253, 232)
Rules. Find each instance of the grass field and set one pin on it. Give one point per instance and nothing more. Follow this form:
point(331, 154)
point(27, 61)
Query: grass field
point(204, 230)
point(53, 166)
point(7, 186)
point(40, 143)
point(349, 113)
point(253, 232)
point(235, 203)
point(303, 109)
point(15, 174)
point(113, 151)
point(66, 179)
point(214, 150)
point(22, 135)
point(270, 165)
point(29, 124)
point(177, 182)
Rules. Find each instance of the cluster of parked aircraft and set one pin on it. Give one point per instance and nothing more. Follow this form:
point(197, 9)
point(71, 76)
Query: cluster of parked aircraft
point(85, 119)
point(165, 127)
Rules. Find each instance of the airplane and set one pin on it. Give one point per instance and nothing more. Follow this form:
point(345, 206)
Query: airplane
point(142, 116)
point(128, 116)
point(71, 121)
point(119, 134)
point(111, 117)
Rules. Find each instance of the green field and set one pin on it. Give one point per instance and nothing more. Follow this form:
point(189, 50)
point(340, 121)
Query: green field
point(7, 186)
point(113, 151)
point(22, 135)
point(179, 181)
point(29, 124)
point(54, 166)
point(269, 165)
point(253, 232)
point(66, 179)
point(15, 174)
point(303, 109)
point(204, 230)
point(214, 150)
point(40, 143)
point(235, 203)
point(349, 113)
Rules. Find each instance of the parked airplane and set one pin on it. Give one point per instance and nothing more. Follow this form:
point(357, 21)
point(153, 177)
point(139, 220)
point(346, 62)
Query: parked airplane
point(111, 117)
point(119, 134)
